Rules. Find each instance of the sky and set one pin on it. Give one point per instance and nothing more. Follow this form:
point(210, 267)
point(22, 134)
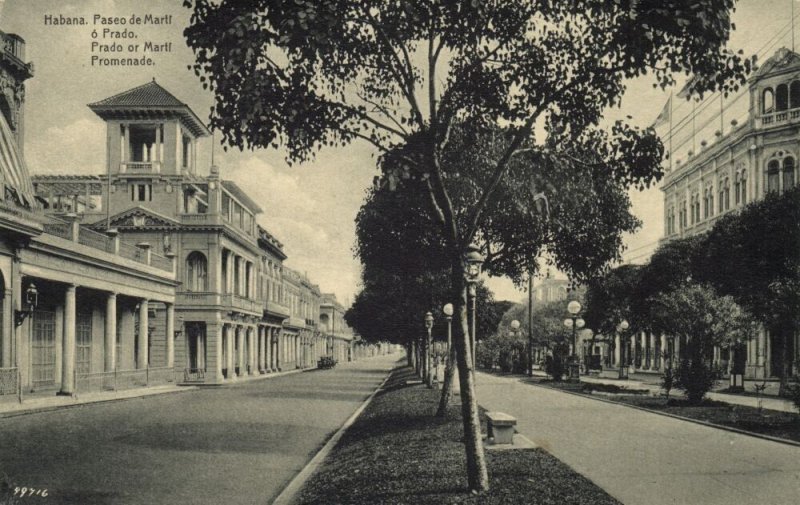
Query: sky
point(309, 207)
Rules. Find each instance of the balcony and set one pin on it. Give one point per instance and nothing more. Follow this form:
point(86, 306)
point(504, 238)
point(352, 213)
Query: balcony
point(278, 309)
point(778, 118)
point(197, 298)
point(140, 167)
point(201, 219)
point(242, 304)
point(296, 322)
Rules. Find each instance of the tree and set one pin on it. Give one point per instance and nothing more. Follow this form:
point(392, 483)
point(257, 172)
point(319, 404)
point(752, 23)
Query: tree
point(753, 256)
point(701, 319)
point(613, 297)
point(404, 275)
point(401, 74)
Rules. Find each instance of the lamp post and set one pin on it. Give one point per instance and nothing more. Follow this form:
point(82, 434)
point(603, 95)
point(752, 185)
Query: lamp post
point(429, 327)
point(31, 302)
point(514, 331)
point(474, 261)
point(623, 344)
point(574, 322)
point(448, 315)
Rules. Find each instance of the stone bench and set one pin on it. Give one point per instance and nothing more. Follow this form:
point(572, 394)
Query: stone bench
point(500, 427)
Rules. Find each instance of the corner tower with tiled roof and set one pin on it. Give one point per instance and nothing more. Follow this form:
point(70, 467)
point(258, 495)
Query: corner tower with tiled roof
point(150, 132)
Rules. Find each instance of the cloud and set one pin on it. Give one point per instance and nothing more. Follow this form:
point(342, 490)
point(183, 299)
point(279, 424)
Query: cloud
point(81, 142)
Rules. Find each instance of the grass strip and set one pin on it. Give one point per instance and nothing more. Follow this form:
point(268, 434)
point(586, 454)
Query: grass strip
point(398, 452)
point(773, 423)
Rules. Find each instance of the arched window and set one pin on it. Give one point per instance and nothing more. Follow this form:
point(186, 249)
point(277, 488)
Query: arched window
point(788, 173)
point(767, 101)
point(196, 272)
point(773, 176)
point(781, 97)
point(727, 193)
point(794, 95)
point(743, 187)
point(737, 186)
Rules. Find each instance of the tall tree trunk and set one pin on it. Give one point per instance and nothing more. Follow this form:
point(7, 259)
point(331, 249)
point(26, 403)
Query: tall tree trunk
point(477, 475)
point(447, 386)
point(409, 355)
point(783, 389)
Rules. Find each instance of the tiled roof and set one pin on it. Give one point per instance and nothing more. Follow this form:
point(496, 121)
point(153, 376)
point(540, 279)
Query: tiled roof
point(149, 101)
point(146, 95)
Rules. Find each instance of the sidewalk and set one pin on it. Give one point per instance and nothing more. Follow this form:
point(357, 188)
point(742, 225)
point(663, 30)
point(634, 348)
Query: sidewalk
point(30, 405)
point(10, 406)
point(645, 458)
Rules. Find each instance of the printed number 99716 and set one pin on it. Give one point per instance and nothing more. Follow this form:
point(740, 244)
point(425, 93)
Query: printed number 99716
point(22, 492)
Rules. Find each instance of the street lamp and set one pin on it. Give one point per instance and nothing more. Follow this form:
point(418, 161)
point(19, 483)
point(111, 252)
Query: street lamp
point(514, 331)
point(623, 363)
point(448, 315)
point(428, 326)
point(576, 323)
point(31, 302)
point(474, 261)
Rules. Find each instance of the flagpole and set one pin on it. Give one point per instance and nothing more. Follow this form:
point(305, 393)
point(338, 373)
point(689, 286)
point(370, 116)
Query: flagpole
point(671, 154)
point(694, 107)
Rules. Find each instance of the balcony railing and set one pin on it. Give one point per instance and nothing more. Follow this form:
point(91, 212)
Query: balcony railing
point(201, 219)
point(197, 298)
point(277, 308)
point(63, 230)
point(242, 303)
point(97, 240)
point(9, 381)
point(777, 118)
point(194, 375)
point(140, 167)
point(296, 322)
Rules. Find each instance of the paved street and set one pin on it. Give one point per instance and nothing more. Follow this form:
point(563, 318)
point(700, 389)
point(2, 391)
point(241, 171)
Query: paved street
point(644, 458)
point(237, 444)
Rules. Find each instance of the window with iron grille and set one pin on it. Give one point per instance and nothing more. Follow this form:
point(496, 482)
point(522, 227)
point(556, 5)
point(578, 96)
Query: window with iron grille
point(83, 342)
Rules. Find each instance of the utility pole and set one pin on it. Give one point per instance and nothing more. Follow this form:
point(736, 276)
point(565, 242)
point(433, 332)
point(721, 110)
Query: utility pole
point(530, 323)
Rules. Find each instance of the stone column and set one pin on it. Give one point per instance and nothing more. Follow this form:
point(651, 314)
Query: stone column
point(268, 349)
point(654, 361)
point(111, 333)
point(170, 336)
point(262, 349)
point(229, 269)
point(240, 351)
point(617, 348)
point(664, 361)
point(297, 362)
point(252, 353)
point(230, 362)
point(143, 336)
point(68, 346)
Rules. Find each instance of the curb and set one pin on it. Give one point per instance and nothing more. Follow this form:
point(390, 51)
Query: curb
point(779, 440)
point(289, 493)
point(51, 408)
point(256, 378)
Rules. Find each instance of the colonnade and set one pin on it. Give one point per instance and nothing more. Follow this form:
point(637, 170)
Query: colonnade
point(134, 345)
point(254, 348)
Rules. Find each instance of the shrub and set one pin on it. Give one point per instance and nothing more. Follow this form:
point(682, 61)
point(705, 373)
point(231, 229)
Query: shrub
point(695, 378)
point(668, 380)
point(554, 367)
point(794, 395)
point(326, 362)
